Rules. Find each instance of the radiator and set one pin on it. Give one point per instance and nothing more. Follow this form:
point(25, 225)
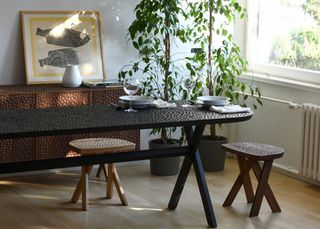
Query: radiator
point(310, 163)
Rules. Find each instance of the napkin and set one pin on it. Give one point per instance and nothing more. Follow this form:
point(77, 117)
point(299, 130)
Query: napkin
point(230, 109)
point(163, 104)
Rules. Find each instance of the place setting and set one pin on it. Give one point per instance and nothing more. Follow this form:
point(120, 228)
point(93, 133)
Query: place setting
point(135, 102)
point(220, 104)
point(132, 102)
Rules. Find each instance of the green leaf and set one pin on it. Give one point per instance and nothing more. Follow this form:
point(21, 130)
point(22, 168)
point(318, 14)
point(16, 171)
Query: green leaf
point(259, 101)
point(135, 44)
point(243, 87)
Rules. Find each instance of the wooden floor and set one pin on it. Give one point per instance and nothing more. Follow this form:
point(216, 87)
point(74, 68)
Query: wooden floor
point(42, 201)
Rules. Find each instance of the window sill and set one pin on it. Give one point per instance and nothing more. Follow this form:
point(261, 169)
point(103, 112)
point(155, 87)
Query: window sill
point(274, 80)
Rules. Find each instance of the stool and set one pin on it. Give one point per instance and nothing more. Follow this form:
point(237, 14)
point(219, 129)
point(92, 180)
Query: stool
point(249, 155)
point(91, 146)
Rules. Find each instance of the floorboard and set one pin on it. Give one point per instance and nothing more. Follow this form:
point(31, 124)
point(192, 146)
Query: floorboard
point(42, 201)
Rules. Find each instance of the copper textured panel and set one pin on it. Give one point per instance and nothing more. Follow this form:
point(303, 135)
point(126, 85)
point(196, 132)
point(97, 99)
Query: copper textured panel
point(5, 149)
point(103, 97)
point(63, 99)
point(23, 101)
point(52, 88)
point(45, 96)
point(23, 149)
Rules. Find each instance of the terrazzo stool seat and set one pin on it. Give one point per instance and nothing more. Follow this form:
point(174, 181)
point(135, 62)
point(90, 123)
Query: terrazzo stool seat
point(90, 146)
point(249, 155)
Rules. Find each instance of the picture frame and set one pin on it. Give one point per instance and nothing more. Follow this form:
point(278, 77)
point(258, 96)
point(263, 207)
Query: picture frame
point(54, 39)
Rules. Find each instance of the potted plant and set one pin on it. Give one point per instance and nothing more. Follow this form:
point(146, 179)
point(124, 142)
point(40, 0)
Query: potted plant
point(219, 63)
point(153, 34)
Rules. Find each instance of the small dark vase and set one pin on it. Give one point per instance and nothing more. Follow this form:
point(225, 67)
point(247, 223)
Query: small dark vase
point(163, 166)
point(211, 153)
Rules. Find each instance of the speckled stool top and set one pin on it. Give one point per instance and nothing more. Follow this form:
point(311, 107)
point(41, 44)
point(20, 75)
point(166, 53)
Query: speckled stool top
point(254, 150)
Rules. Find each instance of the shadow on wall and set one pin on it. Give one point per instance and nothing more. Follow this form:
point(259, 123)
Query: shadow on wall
point(117, 17)
point(278, 125)
point(12, 68)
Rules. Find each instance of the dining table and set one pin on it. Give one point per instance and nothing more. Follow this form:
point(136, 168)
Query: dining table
point(101, 118)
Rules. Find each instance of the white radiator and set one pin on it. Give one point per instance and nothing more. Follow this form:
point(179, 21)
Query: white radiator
point(310, 163)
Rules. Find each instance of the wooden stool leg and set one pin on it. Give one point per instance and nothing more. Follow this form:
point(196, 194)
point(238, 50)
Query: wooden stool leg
point(244, 172)
point(268, 193)
point(85, 186)
point(119, 187)
point(262, 185)
point(110, 181)
point(77, 191)
point(233, 192)
point(100, 169)
point(105, 171)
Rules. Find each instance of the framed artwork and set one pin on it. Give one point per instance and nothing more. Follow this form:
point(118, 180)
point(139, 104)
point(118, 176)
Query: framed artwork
point(54, 39)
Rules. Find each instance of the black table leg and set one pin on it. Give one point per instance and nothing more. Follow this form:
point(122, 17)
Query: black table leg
point(193, 139)
point(182, 178)
point(204, 192)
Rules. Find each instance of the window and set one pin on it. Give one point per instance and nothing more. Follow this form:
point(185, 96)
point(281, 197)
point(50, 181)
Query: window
point(284, 38)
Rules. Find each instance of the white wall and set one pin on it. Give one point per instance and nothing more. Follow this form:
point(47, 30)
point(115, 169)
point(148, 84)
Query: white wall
point(274, 123)
point(117, 50)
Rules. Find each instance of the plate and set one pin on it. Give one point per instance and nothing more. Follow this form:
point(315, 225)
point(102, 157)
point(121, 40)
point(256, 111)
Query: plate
point(217, 104)
point(136, 99)
point(213, 100)
point(134, 106)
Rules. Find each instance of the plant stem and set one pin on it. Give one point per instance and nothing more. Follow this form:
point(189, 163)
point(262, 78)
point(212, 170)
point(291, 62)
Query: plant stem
point(212, 130)
point(167, 59)
point(164, 135)
point(209, 70)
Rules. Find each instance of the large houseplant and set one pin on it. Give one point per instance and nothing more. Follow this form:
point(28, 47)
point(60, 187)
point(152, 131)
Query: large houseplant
point(153, 33)
point(219, 63)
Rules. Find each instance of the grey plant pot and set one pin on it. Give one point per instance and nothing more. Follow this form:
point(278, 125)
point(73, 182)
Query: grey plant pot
point(211, 153)
point(163, 166)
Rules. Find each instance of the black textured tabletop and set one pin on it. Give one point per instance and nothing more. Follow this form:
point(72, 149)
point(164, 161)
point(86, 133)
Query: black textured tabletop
point(98, 118)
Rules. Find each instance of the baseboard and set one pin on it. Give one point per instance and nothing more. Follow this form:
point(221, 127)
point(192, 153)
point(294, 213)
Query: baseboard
point(294, 174)
point(132, 163)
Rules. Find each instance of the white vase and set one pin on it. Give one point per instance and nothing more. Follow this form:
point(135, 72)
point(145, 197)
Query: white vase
point(71, 76)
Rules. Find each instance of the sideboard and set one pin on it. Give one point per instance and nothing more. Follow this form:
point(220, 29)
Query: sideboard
point(45, 96)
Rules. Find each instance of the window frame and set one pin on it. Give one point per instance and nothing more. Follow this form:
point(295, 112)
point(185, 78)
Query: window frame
point(290, 73)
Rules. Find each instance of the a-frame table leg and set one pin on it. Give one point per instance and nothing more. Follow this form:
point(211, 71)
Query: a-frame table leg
point(193, 139)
